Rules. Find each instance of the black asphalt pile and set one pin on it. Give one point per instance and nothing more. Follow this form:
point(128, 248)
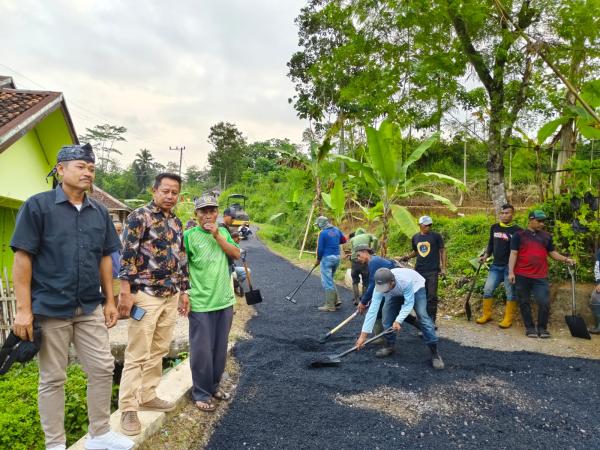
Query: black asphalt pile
point(484, 398)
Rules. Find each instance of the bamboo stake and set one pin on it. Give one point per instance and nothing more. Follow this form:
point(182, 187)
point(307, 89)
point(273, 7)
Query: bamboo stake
point(312, 210)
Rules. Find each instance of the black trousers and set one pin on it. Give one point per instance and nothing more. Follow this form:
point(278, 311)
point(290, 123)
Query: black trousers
point(539, 288)
point(359, 271)
point(431, 289)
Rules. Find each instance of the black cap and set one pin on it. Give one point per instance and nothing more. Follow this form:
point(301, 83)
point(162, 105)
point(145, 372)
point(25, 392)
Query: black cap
point(383, 278)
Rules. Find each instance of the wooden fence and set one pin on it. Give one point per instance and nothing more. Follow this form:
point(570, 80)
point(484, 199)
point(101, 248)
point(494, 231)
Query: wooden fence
point(8, 306)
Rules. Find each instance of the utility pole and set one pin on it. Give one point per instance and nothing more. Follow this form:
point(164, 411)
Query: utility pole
point(180, 150)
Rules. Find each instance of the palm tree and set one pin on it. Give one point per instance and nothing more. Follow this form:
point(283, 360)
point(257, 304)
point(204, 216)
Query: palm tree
point(143, 167)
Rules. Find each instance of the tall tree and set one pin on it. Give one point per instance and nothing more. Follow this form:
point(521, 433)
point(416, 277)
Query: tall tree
point(104, 139)
point(226, 160)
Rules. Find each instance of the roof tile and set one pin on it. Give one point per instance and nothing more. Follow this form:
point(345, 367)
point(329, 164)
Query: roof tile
point(14, 103)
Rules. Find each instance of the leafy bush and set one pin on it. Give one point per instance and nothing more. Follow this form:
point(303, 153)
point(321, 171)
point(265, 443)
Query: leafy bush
point(20, 427)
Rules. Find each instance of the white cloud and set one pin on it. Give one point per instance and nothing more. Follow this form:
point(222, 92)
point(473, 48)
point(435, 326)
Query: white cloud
point(165, 70)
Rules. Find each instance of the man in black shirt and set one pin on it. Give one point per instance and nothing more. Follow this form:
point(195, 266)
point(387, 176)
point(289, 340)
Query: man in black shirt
point(62, 242)
point(499, 246)
point(428, 247)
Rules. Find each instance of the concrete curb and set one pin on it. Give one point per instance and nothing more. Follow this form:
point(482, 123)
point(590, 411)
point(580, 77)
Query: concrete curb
point(175, 387)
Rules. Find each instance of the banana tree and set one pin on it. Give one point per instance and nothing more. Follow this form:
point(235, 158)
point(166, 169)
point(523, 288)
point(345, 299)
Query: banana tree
point(386, 173)
point(370, 215)
point(336, 201)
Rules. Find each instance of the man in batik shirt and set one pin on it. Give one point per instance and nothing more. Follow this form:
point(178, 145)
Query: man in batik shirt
point(154, 277)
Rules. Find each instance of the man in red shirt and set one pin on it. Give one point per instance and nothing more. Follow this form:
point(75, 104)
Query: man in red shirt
point(528, 270)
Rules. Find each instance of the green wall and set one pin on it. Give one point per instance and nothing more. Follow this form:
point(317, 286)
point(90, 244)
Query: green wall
point(23, 169)
point(7, 225)
point(25, 164)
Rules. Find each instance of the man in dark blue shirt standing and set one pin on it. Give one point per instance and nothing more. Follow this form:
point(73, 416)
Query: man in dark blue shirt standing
point(62, 243)
point(328, 257)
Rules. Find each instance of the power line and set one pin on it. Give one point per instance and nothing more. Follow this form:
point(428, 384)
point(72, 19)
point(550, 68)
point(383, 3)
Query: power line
point(78, 106)
point(180, 150)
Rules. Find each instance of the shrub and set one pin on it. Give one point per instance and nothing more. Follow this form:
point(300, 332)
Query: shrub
point(20, 427)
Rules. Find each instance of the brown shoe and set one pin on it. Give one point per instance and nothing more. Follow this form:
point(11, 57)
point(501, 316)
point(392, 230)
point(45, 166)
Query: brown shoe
point(130, 424)
point(157, 404)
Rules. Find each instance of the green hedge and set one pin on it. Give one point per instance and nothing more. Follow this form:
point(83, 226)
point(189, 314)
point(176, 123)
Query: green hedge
point(20, 427)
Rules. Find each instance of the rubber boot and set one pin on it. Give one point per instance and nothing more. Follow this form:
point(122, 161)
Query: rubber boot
point(509, 314)
point(330, 298)
point(386, 351)
point(436, 359)
point(337, 302)
point(378, 328)
point(356, 293)
point(486, 313)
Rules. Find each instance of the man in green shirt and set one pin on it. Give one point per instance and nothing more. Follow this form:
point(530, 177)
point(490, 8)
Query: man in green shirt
point(211, 301)
point(360, 270)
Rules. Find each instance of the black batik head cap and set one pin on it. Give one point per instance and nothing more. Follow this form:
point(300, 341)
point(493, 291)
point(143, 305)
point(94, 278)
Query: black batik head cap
point(72, 153)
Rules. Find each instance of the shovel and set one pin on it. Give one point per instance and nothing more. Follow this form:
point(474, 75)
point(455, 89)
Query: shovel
point(335, 360)
point(290, 298)
point(252, 296)
point(471, 289)
point(576, 323)
point(338, 327)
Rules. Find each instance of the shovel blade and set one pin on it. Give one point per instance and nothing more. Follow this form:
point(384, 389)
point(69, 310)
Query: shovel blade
point(324, 338)
point(330, 361)
point(253, 297)
point(577, 327)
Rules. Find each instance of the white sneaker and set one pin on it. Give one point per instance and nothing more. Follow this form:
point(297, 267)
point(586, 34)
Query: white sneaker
point(58, 447)
point(108, 441)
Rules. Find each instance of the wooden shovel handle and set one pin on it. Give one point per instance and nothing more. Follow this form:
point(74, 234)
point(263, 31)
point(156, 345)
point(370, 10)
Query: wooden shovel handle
point(247, 274)
point(344, 322)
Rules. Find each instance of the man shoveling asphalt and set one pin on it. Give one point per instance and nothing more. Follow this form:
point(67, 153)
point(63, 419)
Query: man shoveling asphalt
point(364, 254)
point(401, 289)
point(359, 269)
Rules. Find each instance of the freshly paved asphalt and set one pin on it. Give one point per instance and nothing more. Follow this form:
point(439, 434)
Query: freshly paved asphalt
point(484, 398)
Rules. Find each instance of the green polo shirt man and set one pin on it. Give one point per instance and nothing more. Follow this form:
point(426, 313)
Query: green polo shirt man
point(208, 247)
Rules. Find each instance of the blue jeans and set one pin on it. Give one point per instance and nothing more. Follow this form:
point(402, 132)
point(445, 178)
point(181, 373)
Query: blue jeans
point(329, 265)
point(240, 273)
point(391, 308)
point(497, 275)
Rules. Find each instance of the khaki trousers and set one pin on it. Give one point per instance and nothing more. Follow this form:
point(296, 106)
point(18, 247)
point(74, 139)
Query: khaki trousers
point(90, 337)
point(148, 341)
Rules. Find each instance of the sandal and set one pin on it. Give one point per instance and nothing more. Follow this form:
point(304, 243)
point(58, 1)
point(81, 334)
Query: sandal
point(222, 395)
point(205, 406)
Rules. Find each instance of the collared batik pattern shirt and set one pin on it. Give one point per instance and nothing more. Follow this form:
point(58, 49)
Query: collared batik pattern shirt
point(153, 258)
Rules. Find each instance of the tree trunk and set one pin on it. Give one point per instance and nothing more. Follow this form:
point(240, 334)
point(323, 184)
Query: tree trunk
point(495, 162)
point(568, 138)
point(386, 230)
point(318, 195)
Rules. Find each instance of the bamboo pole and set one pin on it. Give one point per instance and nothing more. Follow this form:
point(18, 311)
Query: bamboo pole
point(312, 210)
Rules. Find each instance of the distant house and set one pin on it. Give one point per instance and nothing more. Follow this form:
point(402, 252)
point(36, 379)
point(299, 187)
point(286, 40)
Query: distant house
point(117, 209)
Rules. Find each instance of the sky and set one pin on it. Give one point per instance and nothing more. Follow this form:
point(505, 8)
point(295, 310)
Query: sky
point(167, 71)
